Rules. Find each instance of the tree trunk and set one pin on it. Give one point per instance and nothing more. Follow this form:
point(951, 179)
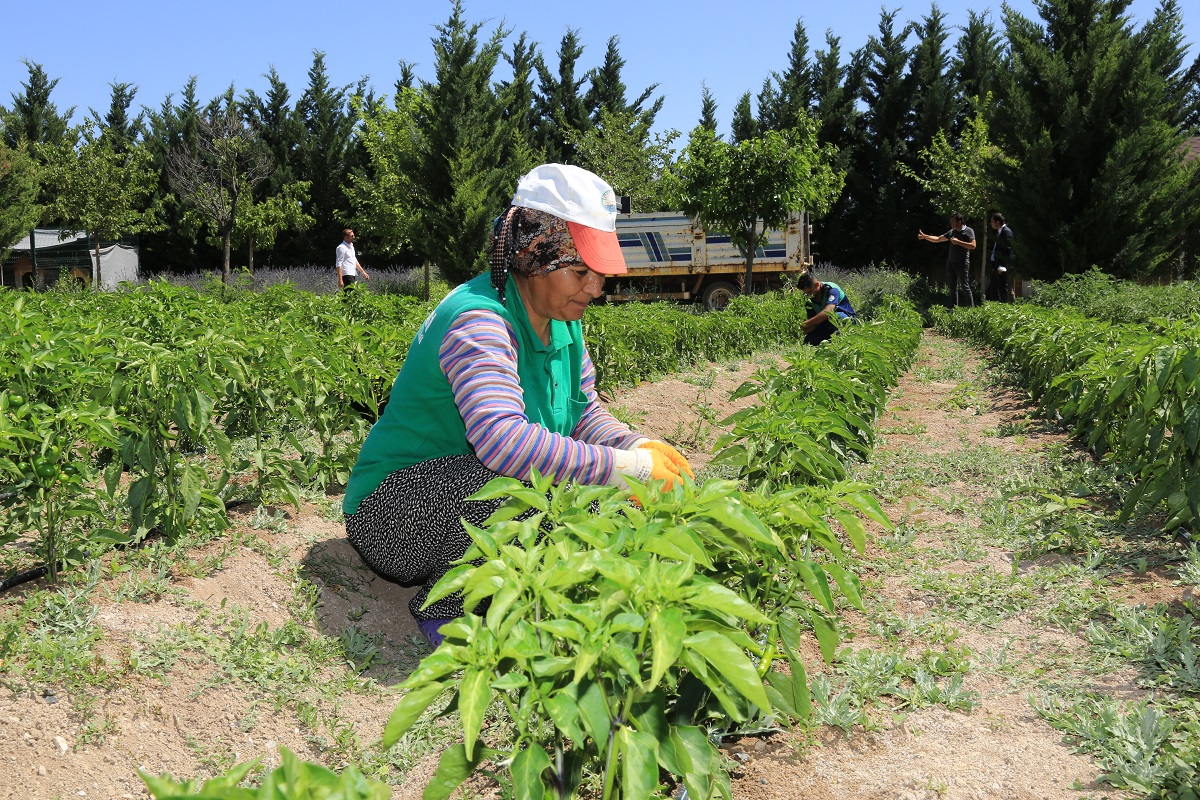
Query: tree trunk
point(251, 255)
point(96, 266)
point(983, 267)
point(749, 272)
point(225, 240)
point(33, 267)
point(749, 252)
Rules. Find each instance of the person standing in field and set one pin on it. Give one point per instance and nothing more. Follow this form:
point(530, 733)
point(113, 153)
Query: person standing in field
point(958, 261)
point(826, 301)
point(348, 267)
point(1002, 256)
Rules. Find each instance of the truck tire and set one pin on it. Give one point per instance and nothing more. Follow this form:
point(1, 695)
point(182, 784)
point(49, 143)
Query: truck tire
point(717, 295)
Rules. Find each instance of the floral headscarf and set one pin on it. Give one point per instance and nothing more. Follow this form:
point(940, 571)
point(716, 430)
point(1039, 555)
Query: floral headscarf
point(529, 243)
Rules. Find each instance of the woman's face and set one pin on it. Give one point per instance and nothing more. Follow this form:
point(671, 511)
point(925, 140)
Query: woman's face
point(562, 294)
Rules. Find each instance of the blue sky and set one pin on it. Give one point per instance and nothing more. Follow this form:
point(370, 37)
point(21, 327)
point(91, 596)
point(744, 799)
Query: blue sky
point(158, 45)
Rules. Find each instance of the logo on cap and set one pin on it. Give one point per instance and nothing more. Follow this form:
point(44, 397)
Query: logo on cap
point(609, 201)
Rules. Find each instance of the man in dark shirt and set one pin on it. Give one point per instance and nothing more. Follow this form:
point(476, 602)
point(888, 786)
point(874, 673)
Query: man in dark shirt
point(1001, 260)
point(826, 300)
point(958, 262)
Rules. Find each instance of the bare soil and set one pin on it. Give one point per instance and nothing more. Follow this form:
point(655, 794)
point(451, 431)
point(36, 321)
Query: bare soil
point(195, 721)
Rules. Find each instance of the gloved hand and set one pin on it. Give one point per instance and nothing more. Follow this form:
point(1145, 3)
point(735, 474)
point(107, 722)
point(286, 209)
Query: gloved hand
point(650, 460)
point(672, 455)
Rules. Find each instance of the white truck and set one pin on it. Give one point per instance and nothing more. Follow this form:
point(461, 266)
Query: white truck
point(671, 258)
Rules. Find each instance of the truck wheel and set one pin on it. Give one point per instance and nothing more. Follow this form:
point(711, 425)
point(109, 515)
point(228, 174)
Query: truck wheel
point(717, 295)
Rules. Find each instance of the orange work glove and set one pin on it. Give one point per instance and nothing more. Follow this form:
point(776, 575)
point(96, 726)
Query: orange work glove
point(678, 464)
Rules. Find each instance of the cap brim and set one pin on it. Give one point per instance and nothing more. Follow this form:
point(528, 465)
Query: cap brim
point(599, 249)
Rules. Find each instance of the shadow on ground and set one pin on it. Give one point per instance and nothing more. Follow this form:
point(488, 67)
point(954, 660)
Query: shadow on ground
point(367, 612)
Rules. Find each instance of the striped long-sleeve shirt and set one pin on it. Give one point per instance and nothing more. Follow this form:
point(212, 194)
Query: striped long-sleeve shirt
point(479, 357)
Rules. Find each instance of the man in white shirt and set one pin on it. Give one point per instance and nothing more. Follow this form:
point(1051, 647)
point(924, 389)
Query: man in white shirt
point(347, 262)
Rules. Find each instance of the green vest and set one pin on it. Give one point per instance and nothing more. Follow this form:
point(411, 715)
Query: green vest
point(421, 420)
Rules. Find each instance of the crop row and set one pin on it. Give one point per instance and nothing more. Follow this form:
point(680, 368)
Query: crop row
point(1131, 392)
point(155, 409)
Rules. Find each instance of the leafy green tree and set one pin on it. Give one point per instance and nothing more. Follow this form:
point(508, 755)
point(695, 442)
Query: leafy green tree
point(744, 188)
point(957, 177)
point(560, 103)
point(622, 150)
point(19, 211)
point(103, 186)
point(385, 199)
point(1093, 125)
point(211, 176)
point(708, 109)
point(744, 126)
point(259, 223)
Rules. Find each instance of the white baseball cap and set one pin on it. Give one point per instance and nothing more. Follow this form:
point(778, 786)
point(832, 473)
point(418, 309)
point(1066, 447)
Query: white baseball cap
point(587, 203)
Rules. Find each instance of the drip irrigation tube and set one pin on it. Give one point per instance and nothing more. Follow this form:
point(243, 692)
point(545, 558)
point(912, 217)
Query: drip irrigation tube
point(22, 577)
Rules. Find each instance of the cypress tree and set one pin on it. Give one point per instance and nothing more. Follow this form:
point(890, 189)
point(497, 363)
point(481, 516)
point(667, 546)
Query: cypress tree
point(1094, 133)
point(794, 89)
point(116, 126)
point(34, 126)
point(560, 104)
point(708, 109)
point(177, 247)
point(744, 127)
point(933, 94)
point(324, 157)
point(518, 150)
point(878, 191)
point(976, 66)
point(932, 115)
point(33, 118)
point(281, 131)
point(608, 90)
point(460, 127)
point(836, 89)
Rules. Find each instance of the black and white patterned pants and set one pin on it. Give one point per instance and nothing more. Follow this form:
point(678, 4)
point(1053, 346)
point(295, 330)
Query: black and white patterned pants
point(410, 530)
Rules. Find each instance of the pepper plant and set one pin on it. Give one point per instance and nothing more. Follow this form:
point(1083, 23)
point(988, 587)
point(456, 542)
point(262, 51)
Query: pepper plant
point(605, 633)
point(172, 401)
point(45, 458)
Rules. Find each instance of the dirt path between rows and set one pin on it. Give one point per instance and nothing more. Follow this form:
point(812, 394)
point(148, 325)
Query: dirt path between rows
point(197, 719)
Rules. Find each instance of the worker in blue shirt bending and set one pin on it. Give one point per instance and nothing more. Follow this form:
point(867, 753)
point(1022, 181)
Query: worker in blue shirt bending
point(826, 301)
